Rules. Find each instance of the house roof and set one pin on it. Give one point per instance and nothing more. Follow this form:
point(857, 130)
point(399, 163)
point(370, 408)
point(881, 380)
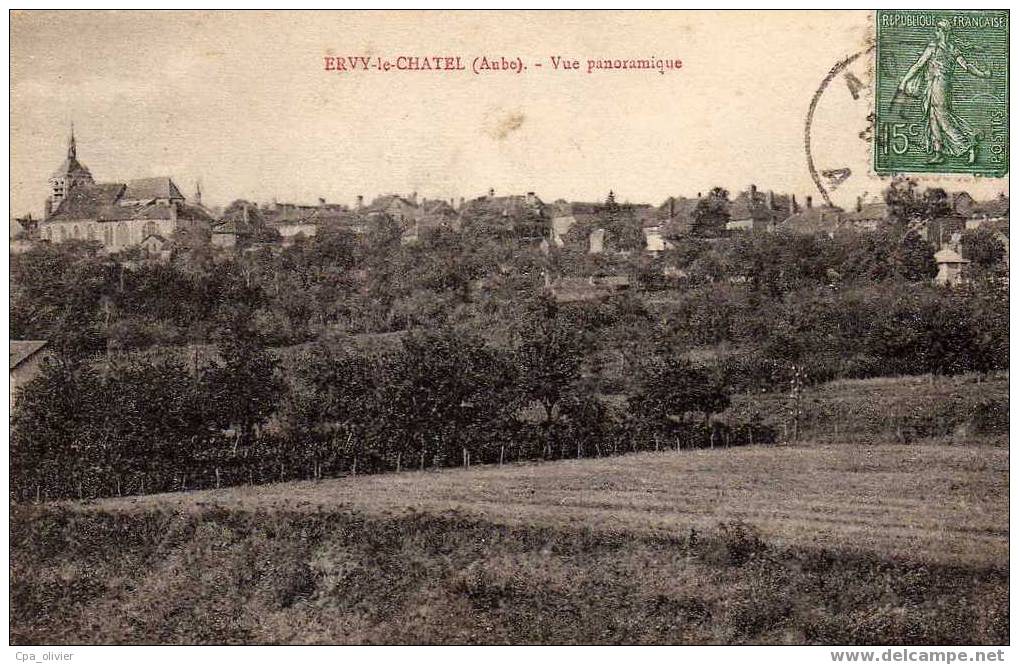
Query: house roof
point(381, 203)
point(997, 207)
point(23, 349)
point(681, 210)
point(508, 206)
point(868, 211)
point(755, 205)
point(822, 219)
point(144, 189)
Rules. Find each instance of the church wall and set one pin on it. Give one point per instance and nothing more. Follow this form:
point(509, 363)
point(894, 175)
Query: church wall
point(114, 235)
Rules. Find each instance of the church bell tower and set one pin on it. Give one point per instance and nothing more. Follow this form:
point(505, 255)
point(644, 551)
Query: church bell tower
point(71, 173)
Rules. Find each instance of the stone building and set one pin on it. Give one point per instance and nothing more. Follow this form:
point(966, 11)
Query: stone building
point(117, 215)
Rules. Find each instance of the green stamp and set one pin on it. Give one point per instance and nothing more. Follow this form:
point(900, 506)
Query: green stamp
point(941, 92)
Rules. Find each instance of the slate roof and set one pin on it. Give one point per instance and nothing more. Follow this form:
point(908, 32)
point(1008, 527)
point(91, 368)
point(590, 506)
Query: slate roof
point(71, 166)
point(109, 202)
point(682, 209)
point(508, 206)
point(755, 206)
point(23, 349)
point(997, 207)
point(152, 188)
point(822, 219)
point(868, 211)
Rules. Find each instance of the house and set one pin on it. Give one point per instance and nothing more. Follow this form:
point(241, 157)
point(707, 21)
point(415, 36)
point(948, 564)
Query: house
point(994, 211)
point(676, 214)
point(950, 267)
point(752, 210)
point(568, 216)
point(431, 214)
point(156, 246)
point(867, 216)
point(520, 216)
point(822, 220)
point(654, 239)
point(26, 360)
point(403, 210)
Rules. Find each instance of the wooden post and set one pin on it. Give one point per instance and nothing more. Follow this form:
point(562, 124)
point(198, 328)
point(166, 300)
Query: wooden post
point(354, 467)
point(217, 477)
point(502, 452)
point(398, 456)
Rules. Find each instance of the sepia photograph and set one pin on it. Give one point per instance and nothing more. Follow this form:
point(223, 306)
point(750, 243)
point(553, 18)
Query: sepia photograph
point(516, 327)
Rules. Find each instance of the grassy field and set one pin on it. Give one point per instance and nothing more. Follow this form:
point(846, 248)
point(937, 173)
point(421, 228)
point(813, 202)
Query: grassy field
point(791, 544)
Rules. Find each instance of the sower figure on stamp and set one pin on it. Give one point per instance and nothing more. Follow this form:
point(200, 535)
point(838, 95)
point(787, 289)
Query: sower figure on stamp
point(930, 79)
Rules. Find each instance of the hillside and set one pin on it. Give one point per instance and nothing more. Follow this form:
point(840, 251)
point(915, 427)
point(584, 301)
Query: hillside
point(940, 503)
point(896, 544)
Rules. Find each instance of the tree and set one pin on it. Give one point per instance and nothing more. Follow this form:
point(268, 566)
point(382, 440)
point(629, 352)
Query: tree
point(243, 388)
point(983, 249)
point(905, 204)
point(671, 387)
point(443, 392)
point(711, 214)
point(913, 259)
point(548, 361)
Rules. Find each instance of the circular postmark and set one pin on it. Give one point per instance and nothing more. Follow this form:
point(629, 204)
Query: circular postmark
point(838, 164)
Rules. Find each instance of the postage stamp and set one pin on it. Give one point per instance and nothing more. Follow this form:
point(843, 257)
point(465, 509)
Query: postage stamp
point(941, 93)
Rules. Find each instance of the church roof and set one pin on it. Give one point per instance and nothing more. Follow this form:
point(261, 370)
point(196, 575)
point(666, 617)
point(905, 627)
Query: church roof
point(71, 167)
point(152, 188)
point(110, 202)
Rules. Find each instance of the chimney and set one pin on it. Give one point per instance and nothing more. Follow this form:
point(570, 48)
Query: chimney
point(414, 198)
point(698, 195)
point(491, 192)
point(753, 191)
point(244, 208)
point(795, 205)
point(360, 201)
point(810, 202)
point(771, 199)
point(672, 207)
point(461, 204)
point(530, 197)
point(47, 208)
point(198, 192)
point(859, 204)
point(321, 202)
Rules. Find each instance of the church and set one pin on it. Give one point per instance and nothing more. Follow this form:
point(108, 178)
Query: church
point(117, 215)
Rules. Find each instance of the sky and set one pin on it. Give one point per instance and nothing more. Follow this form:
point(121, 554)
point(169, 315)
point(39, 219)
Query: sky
point(242, 102)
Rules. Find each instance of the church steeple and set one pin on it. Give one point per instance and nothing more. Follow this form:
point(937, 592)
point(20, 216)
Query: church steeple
point(71, 173)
